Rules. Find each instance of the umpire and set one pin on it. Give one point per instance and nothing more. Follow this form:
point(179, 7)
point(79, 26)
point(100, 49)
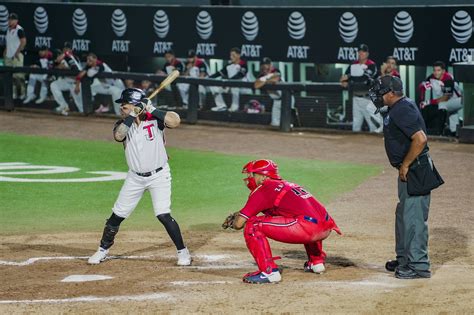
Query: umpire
point(406, 146)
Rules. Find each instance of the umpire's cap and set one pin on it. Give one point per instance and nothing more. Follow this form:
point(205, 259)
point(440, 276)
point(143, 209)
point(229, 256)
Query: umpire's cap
point(131, 96)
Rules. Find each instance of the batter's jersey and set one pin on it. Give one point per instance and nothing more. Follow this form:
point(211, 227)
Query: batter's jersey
point(145, 145)
point(281, 198)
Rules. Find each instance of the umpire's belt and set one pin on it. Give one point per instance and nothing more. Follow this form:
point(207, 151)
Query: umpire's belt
point(148, 174)
point(419, 158)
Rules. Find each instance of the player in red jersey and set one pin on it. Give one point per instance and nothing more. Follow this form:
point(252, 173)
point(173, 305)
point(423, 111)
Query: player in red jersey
point(290, 215)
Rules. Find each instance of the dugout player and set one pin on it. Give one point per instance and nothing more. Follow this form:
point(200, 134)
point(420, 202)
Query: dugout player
point(235, 70)
point(358, 78)
point(290, 215)
point(111, 87)
point(141, 130)
point(43, 61)
point(66, 60)
point(406, 146)
point(195, 68)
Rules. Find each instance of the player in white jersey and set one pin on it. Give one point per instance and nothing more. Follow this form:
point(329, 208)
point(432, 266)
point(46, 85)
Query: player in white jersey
point(141, 130)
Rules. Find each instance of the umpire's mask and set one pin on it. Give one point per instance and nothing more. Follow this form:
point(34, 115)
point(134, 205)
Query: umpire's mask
point(382, 86)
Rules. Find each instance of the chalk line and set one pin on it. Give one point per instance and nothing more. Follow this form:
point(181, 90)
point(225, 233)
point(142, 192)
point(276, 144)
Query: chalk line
point(118, 298)
point(188, 283)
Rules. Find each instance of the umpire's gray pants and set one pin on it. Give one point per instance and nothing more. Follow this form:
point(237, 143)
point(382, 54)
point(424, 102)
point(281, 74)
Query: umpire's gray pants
point(411, 229)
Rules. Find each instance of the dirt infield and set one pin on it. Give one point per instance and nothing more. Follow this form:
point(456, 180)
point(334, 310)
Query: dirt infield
point(146, 280)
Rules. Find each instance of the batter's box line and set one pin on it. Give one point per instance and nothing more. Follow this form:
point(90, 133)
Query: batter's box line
point(118, 298)
point(206, 258)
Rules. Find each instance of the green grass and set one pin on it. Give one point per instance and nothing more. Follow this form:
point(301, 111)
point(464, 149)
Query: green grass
point(206, 185)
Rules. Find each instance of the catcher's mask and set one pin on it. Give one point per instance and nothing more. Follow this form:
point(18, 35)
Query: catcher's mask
point(263, 167)
point(382, 86)
point(131, 96)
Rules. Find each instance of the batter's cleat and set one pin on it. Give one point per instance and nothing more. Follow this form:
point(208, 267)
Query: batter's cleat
point(99, 256)
point(184, 257)
point(391, 265)
point(259, 277)
point(314, 268)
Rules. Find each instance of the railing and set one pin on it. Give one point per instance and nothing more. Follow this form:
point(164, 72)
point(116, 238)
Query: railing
point(192, 112)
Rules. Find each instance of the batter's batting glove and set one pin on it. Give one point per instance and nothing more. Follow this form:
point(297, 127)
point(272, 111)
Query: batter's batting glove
point(138, 109)
point(148, 105)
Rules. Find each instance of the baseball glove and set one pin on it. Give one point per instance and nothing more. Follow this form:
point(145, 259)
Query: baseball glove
point(229, 221)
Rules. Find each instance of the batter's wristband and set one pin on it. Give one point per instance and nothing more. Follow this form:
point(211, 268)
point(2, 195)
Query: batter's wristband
point(159, 114)
point(129, 121)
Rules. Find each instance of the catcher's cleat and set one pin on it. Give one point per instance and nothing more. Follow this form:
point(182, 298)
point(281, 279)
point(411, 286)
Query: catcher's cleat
point(314, 268)
point(262, 277)
point(184, 257)
point(99, 256)
point(391, 265)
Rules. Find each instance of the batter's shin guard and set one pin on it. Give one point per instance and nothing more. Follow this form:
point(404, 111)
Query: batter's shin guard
point(110, 230)
point(259, 247)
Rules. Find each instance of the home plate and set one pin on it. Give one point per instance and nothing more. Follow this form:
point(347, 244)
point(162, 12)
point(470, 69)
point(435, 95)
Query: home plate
point(84, 278)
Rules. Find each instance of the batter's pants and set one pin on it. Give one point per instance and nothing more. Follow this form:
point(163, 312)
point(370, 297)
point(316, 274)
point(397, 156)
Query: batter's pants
point(297, 230)
point(66, 84)
point(159, 186)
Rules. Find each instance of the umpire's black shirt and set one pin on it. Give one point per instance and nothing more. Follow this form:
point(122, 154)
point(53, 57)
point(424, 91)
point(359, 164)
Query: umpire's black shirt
point(400, 123)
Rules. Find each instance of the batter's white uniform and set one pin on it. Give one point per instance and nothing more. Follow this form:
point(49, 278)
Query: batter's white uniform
point(145, 152)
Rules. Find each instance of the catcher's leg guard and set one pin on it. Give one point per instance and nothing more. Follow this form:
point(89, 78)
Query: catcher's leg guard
point(110, 230)
point(258, 246)
point(315, 252)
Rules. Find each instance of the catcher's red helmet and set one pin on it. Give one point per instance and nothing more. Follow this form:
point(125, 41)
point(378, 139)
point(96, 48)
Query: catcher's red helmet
point(263, 167)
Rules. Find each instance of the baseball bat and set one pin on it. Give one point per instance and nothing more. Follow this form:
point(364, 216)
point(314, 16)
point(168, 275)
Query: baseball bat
point(169, 79)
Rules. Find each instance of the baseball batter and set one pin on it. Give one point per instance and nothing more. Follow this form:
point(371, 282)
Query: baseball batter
point(290, 215)
point(141, 130)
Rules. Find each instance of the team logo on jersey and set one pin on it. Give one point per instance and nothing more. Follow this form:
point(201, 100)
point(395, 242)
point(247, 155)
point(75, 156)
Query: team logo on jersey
point(161, 24)
point(3, 18)
point(348, 27)
point(79, 21)
point(150, 132)
point(119, 22)
point(204, 25)
point(40, 19)
point(403, 27)
point(296, 25)
point(461, 26)
point(249, 25)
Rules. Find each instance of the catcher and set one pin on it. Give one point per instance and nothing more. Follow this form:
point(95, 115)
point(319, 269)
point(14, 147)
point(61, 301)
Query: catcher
point(290, 215)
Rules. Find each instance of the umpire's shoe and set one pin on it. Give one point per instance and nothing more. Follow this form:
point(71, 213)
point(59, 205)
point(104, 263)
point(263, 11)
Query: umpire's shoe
point(262, 277)
point(391, 265)
point(408, 273)
point(99, 256)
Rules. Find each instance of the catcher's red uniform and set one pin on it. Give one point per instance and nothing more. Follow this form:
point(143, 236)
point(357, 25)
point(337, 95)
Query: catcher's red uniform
point(291, 215)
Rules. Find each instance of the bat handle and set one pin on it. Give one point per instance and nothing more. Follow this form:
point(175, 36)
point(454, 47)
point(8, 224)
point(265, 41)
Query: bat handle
point(155, 92)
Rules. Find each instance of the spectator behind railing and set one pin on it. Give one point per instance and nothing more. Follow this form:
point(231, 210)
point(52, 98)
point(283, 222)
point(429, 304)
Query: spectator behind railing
point(43, 61)
point(15, 41)
point(236, 69)
point(441, 97)
point(358, 77)
point(66, 60)
point(195, 68)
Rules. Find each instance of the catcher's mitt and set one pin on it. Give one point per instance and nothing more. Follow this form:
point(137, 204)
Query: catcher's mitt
point(229, 221)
